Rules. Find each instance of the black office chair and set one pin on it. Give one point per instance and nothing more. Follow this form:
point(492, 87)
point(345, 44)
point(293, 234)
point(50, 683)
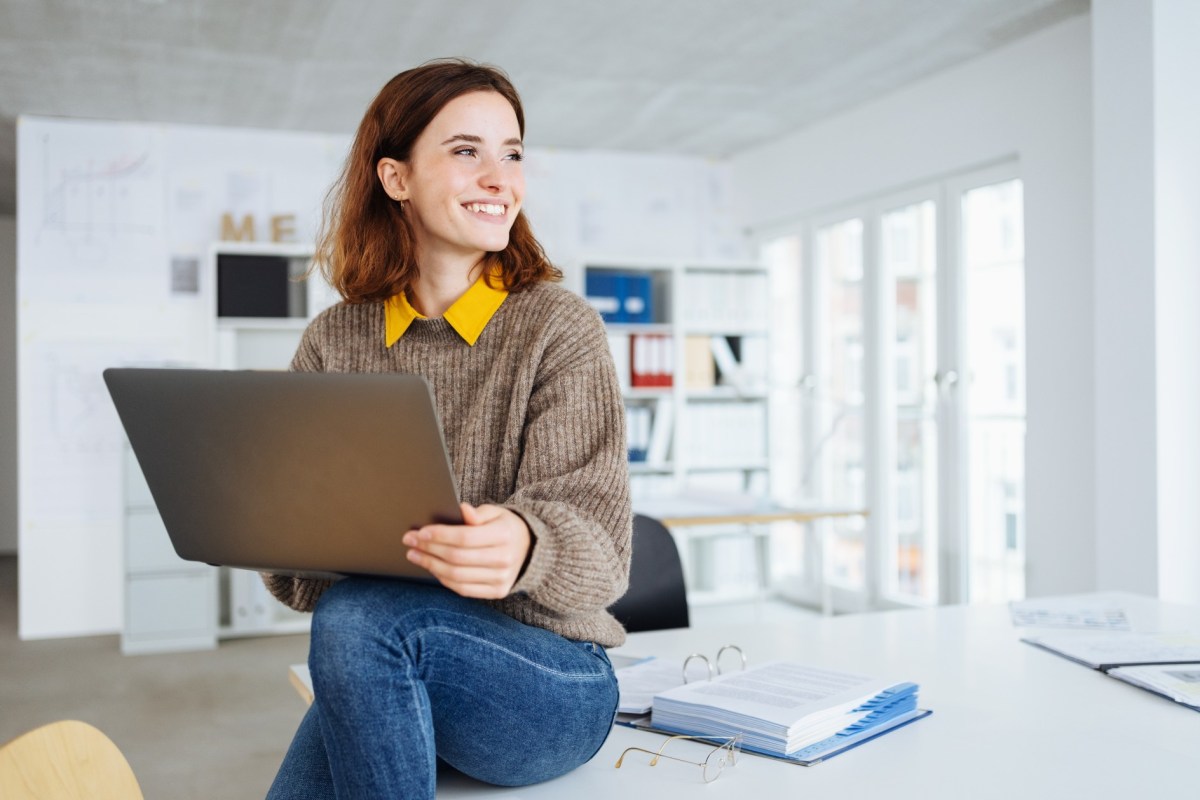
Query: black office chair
point(657, 598)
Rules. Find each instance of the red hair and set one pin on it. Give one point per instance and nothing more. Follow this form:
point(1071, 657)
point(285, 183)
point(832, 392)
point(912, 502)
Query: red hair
point(366, 247)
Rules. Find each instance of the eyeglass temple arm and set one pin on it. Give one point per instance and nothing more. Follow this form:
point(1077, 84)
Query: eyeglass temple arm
point(657, 756)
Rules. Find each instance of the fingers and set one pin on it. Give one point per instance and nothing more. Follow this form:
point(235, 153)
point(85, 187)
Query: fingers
point(481, 558)
point(470, 514)
point(467, 537)
point(491, 579)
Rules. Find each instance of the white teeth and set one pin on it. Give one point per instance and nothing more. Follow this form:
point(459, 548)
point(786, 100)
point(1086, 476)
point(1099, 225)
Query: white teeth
point(493, 209)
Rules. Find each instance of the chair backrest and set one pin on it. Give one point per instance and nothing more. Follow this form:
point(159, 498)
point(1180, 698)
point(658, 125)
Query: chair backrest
point(65, 760)
point(657, 597)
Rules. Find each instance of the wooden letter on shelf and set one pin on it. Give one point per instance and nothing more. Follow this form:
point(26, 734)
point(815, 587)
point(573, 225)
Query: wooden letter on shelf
point(237, 233)
point(283, 228)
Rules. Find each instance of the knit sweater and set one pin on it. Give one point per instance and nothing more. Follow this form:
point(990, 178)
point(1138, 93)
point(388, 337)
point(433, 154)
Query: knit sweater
point(533, 420)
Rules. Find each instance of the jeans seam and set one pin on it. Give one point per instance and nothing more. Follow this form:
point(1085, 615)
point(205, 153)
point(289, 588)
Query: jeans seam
point(439, 629)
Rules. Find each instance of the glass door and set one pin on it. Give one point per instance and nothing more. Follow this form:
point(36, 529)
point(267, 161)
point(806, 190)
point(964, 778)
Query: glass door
point(908, 264)
point(837, 449)
point(993, 268)
point(909, 401)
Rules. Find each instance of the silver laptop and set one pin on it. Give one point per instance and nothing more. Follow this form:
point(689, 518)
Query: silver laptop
point(304, 473)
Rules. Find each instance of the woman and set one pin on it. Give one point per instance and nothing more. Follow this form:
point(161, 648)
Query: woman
point(500, 670)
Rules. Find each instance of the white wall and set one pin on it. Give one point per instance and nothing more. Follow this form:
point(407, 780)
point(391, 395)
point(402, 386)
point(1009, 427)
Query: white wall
point(1029, 100)
point(1177, 253)
point(8, 388)
point(1126, 468)
point(1147, 130)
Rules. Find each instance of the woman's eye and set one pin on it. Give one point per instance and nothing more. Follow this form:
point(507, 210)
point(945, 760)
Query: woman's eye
point(465, 151)
point(515, 156)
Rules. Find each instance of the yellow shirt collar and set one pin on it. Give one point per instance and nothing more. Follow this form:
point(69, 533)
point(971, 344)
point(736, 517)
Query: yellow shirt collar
point(469, 315)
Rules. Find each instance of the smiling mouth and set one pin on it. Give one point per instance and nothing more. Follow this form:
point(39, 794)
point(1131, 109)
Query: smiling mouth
point(491, 209)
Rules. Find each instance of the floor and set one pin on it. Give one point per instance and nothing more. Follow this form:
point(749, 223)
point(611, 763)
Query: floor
point(212, 724)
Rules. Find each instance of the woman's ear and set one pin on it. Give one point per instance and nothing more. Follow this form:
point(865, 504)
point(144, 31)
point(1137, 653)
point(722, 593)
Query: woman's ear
point(393, 175)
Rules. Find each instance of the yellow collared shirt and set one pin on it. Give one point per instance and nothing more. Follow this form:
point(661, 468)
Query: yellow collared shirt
point(468, 316)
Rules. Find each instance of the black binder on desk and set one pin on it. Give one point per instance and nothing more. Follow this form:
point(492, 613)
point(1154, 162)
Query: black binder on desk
point(1111, 649)
point(809, 756)
point(1179, 683)
point(836, 711)
point(1165, 664)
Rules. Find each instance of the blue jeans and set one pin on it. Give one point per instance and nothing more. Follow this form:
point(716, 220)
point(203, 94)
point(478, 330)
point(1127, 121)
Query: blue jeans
point(405, 674)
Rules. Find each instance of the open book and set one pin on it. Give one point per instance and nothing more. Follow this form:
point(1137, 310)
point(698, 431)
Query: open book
point(786, 710)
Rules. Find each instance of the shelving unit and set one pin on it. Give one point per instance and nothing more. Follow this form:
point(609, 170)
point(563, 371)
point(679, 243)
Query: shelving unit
point(173, 604)
point(707, 430)
point(712, 317)
point(246, 341)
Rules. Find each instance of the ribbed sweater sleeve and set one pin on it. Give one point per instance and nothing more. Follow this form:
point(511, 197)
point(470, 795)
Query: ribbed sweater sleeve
point(572, 485)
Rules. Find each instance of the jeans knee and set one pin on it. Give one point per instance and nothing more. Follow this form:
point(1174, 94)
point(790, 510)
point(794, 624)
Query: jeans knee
point(343, 626)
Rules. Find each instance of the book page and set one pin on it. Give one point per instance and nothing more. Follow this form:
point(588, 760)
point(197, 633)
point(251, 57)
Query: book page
point(640, 682)
point(780, 692)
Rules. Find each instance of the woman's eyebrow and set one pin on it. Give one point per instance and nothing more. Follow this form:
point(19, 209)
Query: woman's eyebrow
point(473, 139)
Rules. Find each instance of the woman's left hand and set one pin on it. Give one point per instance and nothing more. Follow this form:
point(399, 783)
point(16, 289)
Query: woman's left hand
point(480, 558)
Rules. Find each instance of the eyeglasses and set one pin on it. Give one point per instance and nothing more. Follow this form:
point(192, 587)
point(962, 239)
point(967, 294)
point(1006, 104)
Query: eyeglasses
point(721, 756)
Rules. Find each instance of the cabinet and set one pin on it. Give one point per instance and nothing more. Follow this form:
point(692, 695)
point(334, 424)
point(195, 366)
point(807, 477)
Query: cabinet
point(691, 344)
point(170, 604)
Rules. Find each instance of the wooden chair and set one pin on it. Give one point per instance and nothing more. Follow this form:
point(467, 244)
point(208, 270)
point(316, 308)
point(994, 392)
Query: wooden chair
point(657, 597)
point(67, 760)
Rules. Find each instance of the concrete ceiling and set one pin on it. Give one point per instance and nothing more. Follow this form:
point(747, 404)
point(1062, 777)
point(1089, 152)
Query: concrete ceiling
point(701, 77)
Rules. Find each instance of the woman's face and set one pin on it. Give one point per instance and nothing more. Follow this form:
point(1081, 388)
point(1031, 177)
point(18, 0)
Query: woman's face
point(463, 184)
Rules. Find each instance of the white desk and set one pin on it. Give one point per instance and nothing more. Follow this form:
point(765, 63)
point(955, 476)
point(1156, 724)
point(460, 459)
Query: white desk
point(685, 512)
point(1009, 720)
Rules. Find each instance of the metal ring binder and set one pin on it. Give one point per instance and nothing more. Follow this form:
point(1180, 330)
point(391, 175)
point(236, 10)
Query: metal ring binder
point(709, 664)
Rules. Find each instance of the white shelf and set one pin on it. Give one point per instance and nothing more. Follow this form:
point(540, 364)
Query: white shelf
point(733, 466)
point(648, 392)
point(627, 328)
point(725, 393)
point(644, 468)
point(262, 323)
point(693, 329)
point(725, 266)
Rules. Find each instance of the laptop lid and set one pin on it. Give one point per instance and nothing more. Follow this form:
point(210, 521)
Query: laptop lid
point(285, 472)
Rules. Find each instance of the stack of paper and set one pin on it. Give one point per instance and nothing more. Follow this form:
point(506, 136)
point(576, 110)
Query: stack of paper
point(785, 709)
point(640, 682)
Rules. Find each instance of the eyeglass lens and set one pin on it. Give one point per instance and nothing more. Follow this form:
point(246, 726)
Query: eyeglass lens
point(717, 760)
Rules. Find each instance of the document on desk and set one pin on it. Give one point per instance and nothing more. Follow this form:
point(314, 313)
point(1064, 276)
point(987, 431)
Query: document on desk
point(1109, 649)
point(788, 710)
point(1045, 614)
point(1178, 682)
point(640, 682)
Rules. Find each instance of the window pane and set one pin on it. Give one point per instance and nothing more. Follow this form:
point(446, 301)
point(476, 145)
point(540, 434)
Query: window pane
point(790, 543)
point(994, 275)
point(837, 451)
point(909, 257)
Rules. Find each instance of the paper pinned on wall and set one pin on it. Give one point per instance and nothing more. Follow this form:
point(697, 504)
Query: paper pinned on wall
point(92, 217)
